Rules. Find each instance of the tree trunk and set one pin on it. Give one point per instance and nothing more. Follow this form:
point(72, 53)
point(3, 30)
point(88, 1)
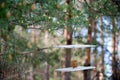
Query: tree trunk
point(1, 52)
point(87, 75)
point(46, 72)
point(3, 72)
point(55, 73)
point(115, 75)
point(0, 60)
point(2, 63)
point(31, 75)
point(102, 53)
point(66, 61)
point(68, 55)
point(68, 37)
point(33, 35)
point(95, 52)
point(87, 55)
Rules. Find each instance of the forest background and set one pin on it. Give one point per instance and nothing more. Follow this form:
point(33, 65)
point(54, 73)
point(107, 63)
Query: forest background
point(29, 29)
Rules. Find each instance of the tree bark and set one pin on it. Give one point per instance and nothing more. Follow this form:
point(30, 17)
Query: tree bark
point(102, 53)
point(68, 37)
point(68, 55)
point(55, 73)
point(115, 71)
point(31, 75)
point(1, 72)
point(46, 72)
point(66, 61)
point(87, 75)
point(95, 52)
point(3, 50)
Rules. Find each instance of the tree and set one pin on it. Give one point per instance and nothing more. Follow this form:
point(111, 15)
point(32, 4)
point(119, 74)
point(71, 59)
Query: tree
point(68, 37)
point(87, 55)
point(115, 71)
point(46, 72)
point(102, 52)
point(95, 51)
point(87, 75)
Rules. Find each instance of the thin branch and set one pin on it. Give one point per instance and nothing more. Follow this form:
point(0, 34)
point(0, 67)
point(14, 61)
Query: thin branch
point(33, 51)
point(87, 4)
point(28, 52)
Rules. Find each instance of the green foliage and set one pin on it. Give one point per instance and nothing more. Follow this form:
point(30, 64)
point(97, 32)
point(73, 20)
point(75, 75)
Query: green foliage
point(45, 11)
point(14, 12)
point(99, 8)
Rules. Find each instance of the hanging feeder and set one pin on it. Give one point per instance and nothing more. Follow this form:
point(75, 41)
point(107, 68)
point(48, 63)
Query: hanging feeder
point(74, 46)
point(78, 68)
point(74, 62)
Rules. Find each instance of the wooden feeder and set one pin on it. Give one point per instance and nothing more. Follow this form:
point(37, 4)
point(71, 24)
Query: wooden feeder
point(74, 62)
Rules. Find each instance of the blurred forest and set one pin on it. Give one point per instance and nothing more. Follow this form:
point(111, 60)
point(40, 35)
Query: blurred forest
point(30, 28)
